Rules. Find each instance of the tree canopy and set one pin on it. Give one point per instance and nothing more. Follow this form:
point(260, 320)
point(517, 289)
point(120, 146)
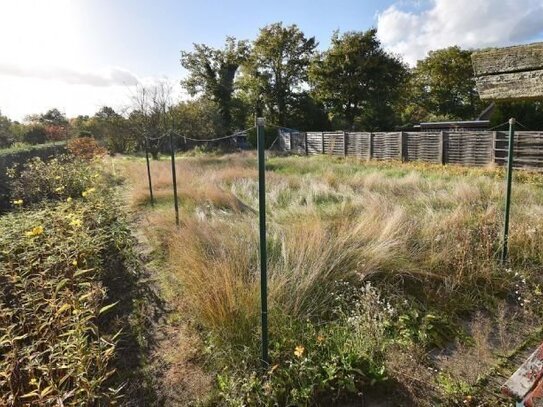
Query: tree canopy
point(443, 86)
point(276, 71)
point(212, 73)
point(358, 82)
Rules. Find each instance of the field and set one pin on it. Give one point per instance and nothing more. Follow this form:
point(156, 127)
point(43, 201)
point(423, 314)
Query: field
point(384, 279)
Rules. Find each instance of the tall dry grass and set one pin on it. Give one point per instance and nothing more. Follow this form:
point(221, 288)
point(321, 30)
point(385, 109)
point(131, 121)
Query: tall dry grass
point(330, 222)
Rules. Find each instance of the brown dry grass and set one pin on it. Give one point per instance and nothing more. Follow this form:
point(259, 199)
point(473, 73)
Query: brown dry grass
point(330, 221)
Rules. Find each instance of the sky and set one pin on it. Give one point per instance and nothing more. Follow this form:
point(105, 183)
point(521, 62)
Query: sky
point(78, 55)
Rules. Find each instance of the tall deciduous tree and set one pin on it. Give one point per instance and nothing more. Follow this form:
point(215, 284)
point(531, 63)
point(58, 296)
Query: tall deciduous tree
point(443, 86)
point(358, 82)
point(212, 73)
point(277, 70)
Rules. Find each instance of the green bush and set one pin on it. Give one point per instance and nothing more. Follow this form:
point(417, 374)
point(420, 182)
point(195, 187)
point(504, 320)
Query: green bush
point(62, 178)
point(18, 154)
point(35, 135)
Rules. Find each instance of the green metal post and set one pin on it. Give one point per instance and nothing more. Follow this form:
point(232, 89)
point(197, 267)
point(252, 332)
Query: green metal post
point(508, 189)
point(174, 181)
point(262, 225)
point(149, 172)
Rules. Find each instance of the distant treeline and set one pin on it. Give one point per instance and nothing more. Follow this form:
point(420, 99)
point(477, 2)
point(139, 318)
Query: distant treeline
point(353, 85)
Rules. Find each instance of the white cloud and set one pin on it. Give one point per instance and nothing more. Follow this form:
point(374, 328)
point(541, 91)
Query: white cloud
point(467, 23)
point(109, 77)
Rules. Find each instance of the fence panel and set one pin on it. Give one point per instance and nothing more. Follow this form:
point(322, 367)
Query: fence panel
point(333, 143)
point(528, 149)
point(469, 148)
point(386, 146)
point(423, 147)
point(314, 143)
point(358, 145)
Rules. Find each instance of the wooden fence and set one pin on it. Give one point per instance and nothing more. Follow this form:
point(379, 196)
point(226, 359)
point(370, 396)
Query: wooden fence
point(475, 148)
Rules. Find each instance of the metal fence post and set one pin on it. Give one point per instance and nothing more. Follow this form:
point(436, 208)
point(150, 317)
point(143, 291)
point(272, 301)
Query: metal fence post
point(370, 146)
point(262, 226)
point(344, 144)
point(508, 190)
point(149, 172)
point(174, 181)
point(305, 143)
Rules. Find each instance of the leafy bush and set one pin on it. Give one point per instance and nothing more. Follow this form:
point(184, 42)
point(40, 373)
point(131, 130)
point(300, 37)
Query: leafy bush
point(36, 134)
point(52, 262)
point(18, 154)
point(58, 179)
point(85, 147)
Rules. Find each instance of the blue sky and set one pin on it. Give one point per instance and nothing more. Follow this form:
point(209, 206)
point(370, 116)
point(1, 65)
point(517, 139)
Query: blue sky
point(159, 30)
point(78, 55)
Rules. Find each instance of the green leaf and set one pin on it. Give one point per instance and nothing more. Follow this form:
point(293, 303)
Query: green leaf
point(107, 308)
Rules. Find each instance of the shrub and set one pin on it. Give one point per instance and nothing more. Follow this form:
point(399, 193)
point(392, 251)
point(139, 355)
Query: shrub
point(36, 134)
point(57, 179)
point(85, 147)
point(52, 262)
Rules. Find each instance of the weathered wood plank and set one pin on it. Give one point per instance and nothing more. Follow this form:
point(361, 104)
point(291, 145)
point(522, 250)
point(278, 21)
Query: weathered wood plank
point(526, 377)
point(511, 86)
point(508, 59)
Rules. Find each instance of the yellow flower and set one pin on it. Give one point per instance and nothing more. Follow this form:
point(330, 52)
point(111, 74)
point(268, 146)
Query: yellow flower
point(33, 381)
point(74, 263)
point(59, 189)
point(75, 222)
point(18, 202)
point(38, 230)
point(299, 351)
point(69, 199)
point(87, 192)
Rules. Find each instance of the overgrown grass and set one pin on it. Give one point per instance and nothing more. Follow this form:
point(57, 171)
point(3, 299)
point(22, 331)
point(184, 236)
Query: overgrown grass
point(425, 237)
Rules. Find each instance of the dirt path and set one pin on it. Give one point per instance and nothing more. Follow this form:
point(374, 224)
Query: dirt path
point(174, 361)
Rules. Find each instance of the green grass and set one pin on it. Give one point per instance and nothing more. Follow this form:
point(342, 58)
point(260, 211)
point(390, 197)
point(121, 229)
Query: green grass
point(425, 238)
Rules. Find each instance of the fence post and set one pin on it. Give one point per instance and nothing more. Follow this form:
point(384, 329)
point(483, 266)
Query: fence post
point(289, 140)
point(493, 147)
point(174, 180)
point(262, 227)
point(370, 146)
point(442, 147)
point(305, 143)
point(402, 146)
point(322, 142)
point(344, 144)
point(149, 172)
point(508, 189)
